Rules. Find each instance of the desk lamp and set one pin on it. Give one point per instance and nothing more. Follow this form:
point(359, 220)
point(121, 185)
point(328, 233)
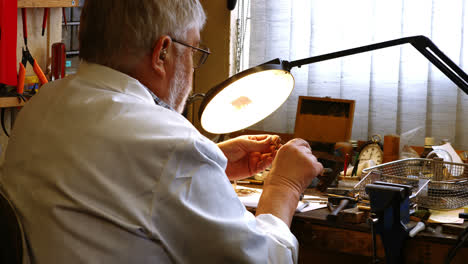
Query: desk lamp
point(251, 95)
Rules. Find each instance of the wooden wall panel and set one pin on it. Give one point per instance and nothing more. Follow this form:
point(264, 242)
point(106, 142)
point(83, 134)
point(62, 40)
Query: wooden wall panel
point(47, 3)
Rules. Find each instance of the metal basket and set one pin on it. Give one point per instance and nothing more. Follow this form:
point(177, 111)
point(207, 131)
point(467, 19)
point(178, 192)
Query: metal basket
point(448, 181)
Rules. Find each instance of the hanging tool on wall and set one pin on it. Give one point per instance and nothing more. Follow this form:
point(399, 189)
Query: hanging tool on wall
point(25, 26)
point(64, 14)
point(44, 19)
point(58, 61)
point(27, 57)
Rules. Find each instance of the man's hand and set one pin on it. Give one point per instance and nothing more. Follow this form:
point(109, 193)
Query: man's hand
point(248, 155)
point(292, 171)
point(294, 167)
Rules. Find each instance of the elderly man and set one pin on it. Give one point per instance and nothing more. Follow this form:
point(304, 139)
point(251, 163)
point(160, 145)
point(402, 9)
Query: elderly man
point(102, 168)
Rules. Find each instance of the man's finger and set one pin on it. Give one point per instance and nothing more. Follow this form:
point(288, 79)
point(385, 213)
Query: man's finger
point(257, 145)
point(258, 137)
point(264, 163)
point(254, 159)
point(300, 142)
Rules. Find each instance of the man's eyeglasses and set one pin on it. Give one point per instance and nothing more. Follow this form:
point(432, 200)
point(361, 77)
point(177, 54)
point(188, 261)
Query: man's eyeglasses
point(199, 55)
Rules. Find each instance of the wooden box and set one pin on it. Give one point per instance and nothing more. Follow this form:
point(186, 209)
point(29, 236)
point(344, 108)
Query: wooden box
point(324, 119)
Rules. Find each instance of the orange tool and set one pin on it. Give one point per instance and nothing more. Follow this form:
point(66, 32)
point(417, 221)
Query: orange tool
point(22, 70)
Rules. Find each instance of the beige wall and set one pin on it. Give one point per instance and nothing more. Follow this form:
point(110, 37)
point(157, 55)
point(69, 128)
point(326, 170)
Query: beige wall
point(216, 35)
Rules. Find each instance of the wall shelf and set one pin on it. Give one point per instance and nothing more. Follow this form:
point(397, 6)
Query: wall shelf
point(47, 3)
point(10, 102)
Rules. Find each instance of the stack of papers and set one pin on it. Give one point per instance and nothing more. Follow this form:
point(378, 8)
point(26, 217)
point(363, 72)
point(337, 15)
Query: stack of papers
point(447, 148)
point(446, 216)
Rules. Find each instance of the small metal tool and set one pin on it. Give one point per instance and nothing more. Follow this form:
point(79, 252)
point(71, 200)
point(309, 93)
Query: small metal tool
point(342, 203)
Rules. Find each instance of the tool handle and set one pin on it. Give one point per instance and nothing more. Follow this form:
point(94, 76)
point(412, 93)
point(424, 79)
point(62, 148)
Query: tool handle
point(58, 60)
point(372, 222)
point(333, 216)
point(356, 164)
point(416, 229)
point(21, 76)
point(25, 26)
point(39, 73)
point(64, 14)
point(44, 20)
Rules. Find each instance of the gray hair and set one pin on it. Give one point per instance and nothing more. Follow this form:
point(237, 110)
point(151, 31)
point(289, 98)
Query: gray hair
point(117, 33)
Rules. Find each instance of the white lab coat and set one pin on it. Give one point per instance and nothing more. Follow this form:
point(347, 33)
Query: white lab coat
point(101, 174)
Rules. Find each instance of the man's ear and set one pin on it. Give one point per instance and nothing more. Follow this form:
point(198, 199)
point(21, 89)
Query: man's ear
point(160, 54)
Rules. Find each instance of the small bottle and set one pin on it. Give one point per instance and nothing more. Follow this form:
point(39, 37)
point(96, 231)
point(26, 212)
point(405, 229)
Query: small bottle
point(428, 143)
point(464, 157)
point(354, 143)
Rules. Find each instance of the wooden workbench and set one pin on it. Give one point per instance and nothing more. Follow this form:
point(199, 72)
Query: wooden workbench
point(324, 242)
point(347, 243)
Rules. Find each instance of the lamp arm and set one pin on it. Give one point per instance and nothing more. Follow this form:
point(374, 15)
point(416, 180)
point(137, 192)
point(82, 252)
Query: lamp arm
point(421, 43)
point(444, 63)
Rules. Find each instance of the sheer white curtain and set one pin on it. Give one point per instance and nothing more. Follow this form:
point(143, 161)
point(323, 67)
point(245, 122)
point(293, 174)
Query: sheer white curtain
point(395, 89)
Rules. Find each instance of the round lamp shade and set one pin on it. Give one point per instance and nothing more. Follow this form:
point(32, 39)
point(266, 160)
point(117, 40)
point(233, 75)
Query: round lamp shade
point(245, 98)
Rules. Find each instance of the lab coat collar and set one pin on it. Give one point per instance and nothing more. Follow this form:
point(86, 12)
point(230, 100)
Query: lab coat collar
point(113, 80)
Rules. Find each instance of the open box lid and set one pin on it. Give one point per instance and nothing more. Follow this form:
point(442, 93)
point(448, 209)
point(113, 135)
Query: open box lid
point(324, 119)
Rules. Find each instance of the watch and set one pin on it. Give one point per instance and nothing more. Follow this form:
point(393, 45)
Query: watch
point(372, 150)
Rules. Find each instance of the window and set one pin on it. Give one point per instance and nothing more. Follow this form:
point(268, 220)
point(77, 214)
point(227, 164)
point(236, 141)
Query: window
point(70, 28)
point(396, 89)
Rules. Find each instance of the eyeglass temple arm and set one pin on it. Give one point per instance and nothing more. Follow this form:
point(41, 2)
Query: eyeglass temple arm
point(424, 45)
point(195, 97)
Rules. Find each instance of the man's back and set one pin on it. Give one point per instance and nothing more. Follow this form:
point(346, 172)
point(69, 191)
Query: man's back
point(79, 164)
point(100, 173)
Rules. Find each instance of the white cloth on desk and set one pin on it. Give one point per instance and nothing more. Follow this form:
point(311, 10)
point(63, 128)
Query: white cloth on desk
point(101, 174)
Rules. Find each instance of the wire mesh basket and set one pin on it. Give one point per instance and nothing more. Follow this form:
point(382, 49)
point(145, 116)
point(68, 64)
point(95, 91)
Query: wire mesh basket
point(447, 187)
